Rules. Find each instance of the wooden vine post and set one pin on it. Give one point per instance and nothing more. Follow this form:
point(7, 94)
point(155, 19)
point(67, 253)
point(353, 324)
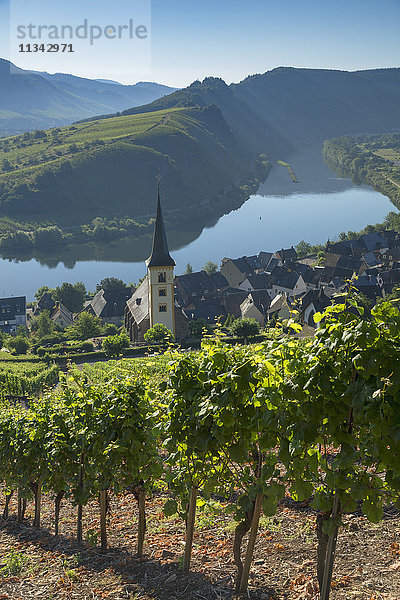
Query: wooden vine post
point(57, 507)
point(103, 512)
point(141, 520)
point(7, 504)
point(251, 543)
point(79, 528)
point(190, 529)
point(38, 503)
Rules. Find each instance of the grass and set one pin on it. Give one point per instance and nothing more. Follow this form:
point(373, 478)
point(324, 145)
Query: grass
point(13, 564)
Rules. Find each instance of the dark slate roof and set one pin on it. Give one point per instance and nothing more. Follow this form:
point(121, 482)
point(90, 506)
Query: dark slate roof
point(346, 247)
point(373, 241)
point(12, 307)
point(200, 282)
point(317, 297)
point(284, 278)
point(138, 304)
point(208, 312)
point(262, 281)
point(261, 299)
point(287, 254)
point(274, 262)
point(264, 258)
point(232, 298)
point(349, 262)
point(110, 303)
point(159, 256)
point(391, 276)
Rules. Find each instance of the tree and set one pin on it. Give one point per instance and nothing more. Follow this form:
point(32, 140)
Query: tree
point(114, 344)
point(157, 334)
point(110, 329)
point(71, 295)
point(43, 290)
point(48, 236)
point(197, 327)
point(85, 326)
point(19, 344)
point(245, 328)
point(189, 269)
point(111, 283)
point(210, 267)
point(43, 325)
point(303, 248)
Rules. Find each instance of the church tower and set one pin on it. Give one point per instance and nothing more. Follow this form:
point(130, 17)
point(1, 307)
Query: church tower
point(160, 274)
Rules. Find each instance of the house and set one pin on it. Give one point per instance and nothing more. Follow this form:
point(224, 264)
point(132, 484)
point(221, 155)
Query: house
point(256, 306)
point(333, 251)
point(235, 270)
point(154, 300)
point(388, 280)
point(281, 308)
point(285, 255)
point(61, 316)
point(312, 302)
point(199, 285)
point(109, 305)
point(256, 282)
point(285, 281)
point(12, 313)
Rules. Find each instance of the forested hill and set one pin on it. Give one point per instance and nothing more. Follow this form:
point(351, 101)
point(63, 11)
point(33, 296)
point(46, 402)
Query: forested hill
point(296, 106)
point(34, 100)
point(109, 167)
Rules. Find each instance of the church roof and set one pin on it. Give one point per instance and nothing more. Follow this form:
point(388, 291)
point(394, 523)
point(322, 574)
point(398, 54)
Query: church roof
point(159, 256)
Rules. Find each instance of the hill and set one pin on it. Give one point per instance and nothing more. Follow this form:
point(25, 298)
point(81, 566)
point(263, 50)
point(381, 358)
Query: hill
point(289, 107)
point(34, 100)
point(106, 168)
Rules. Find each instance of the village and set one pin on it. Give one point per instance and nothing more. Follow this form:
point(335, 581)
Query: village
point(266, 288)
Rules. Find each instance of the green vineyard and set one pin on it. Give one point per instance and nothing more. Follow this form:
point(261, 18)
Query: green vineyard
point(314, 420)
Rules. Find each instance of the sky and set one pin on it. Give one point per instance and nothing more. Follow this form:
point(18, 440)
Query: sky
point(192, 39)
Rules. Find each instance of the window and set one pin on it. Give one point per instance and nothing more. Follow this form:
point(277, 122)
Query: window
point(162, 277)
point(162, 291)
point(162, 308)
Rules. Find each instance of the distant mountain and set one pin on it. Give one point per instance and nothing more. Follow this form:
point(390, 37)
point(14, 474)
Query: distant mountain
point(290, 107)
point(32, 100)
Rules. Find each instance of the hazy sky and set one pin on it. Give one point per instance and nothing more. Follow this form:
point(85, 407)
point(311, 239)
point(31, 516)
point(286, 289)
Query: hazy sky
point(191, 39)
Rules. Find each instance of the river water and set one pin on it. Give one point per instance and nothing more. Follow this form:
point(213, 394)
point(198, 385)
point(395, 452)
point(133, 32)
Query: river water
point(281, 214)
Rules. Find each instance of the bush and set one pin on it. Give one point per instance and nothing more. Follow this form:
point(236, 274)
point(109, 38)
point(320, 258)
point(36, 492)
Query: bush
point(198, 327)
point(110, 329)
point(19, 344)
point(113, 345)
point(245, 328)
point(157, 334)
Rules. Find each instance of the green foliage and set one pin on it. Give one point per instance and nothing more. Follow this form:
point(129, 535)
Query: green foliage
point(111, 283)
point(43, 325)
point(158, 334)
point(71, 295)
point(210, 267)
point(113, 345)
point(303, 248)
point(13, 563)
point(245, 328)
point(85, 326)
point(189, 269)
point(18, 344)
point(198, 327)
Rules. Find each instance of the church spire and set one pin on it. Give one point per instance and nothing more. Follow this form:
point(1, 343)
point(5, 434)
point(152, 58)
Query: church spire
point(159, 256)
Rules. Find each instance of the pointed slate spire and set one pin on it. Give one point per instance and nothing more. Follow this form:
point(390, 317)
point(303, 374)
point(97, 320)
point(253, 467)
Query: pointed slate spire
point(159, 256)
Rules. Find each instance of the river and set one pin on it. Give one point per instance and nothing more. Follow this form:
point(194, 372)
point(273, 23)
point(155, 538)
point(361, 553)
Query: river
point(281, 214)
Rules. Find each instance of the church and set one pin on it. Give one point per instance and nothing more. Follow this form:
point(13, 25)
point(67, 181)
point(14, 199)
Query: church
point(154, 301)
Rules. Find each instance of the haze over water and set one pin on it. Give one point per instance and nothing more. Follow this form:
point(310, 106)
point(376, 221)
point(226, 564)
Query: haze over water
point(280, 215)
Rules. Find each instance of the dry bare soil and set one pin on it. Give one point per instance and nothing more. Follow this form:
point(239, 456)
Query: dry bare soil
point(34, 564)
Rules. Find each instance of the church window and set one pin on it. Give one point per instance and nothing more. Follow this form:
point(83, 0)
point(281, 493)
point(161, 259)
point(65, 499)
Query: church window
point(162, 291)
point(162, 277)
point(162, 308)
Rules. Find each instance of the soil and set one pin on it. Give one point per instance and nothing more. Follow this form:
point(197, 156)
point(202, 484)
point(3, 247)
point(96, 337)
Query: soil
point(34, 564)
